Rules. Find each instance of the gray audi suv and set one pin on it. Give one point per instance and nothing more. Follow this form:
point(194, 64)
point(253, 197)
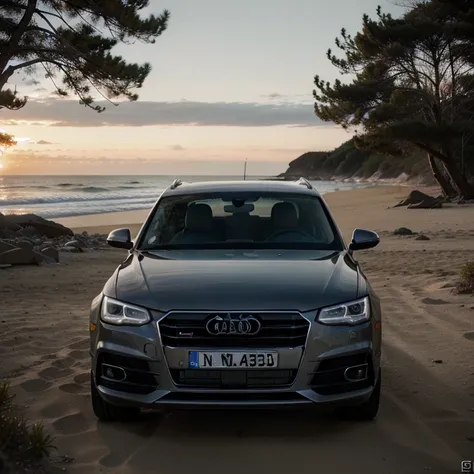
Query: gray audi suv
point(237, 294)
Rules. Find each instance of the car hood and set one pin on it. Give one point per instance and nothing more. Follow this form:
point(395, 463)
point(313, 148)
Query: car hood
point(269, 280)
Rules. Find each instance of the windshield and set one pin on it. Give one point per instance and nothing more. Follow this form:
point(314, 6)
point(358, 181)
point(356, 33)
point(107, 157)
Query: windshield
point(240, 220)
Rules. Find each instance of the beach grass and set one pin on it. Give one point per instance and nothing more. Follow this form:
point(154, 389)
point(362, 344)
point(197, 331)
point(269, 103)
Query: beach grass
point(466, 282)
point(22, 444)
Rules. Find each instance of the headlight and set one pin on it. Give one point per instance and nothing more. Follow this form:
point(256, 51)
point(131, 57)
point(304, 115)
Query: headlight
point(354, 312)
point(116, 312)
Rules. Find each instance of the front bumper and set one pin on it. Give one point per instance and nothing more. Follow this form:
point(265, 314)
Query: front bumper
point(157, 375)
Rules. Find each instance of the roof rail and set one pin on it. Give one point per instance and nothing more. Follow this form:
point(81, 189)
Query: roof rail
point(304, 182)
point(176, 183)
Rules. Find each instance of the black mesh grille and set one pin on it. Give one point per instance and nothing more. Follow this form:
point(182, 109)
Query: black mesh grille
point(329, 376)
point(277, 330)
point(223, 379)
point(142, 376)
point(232, 398)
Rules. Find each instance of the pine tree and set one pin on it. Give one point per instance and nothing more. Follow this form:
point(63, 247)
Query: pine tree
point(70, 41)
point(6, 141)
point(412, 85)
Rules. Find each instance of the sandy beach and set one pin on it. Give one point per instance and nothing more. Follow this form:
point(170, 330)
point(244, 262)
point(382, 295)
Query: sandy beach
point(426, 421)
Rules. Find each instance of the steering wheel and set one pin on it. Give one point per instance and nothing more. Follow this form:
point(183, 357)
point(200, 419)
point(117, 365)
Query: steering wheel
point(290, 231)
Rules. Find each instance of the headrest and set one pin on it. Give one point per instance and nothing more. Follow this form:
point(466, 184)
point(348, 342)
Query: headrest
point(199, 218)
point(284, 216)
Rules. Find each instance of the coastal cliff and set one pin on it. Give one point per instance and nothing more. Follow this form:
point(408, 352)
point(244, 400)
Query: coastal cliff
point(349, 163)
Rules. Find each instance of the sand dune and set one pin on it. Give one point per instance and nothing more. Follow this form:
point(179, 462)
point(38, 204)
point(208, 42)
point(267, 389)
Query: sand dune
point(426, 422)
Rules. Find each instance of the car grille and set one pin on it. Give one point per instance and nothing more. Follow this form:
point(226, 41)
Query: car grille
point(220, 399)
point(329, 378)
point(277, 330)
point(222, 379)
point(141, 376)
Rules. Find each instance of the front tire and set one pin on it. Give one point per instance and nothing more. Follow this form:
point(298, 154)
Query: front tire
point(368, 410)
point(105, 411)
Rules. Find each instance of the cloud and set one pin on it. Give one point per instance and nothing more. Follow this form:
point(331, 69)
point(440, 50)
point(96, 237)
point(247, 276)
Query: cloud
point(68, 113)
point(274, 95)
point(31, 82)
point(29, 123)
point(43, 142)
point(150, 161)
point(286, 99)
point(177, 148)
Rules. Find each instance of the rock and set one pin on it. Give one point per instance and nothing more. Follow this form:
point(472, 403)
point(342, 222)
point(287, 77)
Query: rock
point(9, 234)
point(45, 245)
point(76, 243)
point(39, 257)
point(419, 200)
point(403, 231)
point(3, 221)
point(71, 249)
point(28, 232)
point(80, 237)
point(430, 204)
point(18, 256)
point(5, 265)
point(50, 229)
point(42, 258)
point(422, 237)
point(52, 253)
point(24, 244)
point(5, 247)
point(437, 361)
point(66, 249)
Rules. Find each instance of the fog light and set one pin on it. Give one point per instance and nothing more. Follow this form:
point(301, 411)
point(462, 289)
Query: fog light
point(356, 373)
point(113, 373)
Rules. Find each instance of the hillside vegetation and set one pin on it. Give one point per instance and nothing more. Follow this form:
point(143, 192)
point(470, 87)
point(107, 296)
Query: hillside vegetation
point(347, 162)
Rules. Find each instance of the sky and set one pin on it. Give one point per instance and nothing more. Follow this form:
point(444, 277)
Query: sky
point(230, 80)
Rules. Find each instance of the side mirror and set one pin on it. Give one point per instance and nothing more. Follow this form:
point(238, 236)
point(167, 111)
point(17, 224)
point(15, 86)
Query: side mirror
point(120, 238)
point(364, 239)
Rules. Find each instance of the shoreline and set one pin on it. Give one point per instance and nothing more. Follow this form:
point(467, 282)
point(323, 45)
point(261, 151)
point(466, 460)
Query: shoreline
point(402, 180)
point(363, 202)
point(53, 198)
point(110, 203)
point(92, 223)
point(83, 222)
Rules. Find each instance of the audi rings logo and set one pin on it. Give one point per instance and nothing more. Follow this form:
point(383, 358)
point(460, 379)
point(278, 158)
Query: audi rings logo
point(233, 324)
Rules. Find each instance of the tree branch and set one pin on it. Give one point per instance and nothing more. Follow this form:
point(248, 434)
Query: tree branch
point(432, 151)
point(15, 39)
point(31, 62)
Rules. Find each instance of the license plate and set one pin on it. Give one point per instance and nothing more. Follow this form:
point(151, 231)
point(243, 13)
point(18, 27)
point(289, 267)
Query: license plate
point(233, 360)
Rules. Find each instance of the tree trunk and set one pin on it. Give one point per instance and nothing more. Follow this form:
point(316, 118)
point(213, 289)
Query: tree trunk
point(466, 190)
point(15, 38)
point(445, 184)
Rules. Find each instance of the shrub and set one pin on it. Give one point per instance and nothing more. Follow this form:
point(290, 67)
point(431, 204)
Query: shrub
point(466, 283)
point(21, 443)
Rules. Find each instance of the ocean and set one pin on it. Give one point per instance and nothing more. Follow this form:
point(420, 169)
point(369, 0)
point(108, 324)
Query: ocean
point(64, 196)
